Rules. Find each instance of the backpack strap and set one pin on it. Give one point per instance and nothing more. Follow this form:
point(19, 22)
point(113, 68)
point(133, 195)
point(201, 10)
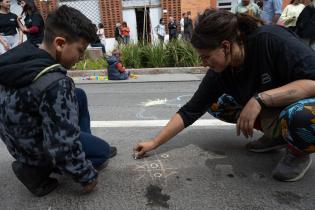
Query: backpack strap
point(45, 78)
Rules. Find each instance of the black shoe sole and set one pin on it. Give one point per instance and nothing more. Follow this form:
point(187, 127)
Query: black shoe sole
point(268, 149)
point(31, 180)
point(112, 152)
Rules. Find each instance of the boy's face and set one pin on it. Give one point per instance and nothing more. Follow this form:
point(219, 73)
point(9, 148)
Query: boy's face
point(68, 54)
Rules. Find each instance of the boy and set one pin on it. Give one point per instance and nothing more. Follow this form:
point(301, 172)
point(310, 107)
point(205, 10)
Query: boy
point(44, 120)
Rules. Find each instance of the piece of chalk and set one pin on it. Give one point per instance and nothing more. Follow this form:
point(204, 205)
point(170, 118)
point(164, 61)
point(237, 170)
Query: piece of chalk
point(135, 156)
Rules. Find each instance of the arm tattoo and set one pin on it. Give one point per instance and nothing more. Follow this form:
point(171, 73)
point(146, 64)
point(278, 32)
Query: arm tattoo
point(279, 99)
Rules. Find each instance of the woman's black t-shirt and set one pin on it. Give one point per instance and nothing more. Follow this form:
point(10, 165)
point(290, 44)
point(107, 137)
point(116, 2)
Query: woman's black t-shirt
point(273, 57)
point(35, 19)
point(8, 24)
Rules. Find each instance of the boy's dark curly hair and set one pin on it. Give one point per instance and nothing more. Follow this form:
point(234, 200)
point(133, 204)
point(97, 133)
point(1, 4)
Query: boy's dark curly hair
point(69, 23)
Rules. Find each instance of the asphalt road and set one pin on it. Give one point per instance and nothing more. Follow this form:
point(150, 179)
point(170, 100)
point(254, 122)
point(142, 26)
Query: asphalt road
point(204, 167)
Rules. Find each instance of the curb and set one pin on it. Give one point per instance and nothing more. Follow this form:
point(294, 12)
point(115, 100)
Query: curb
point(175, 70)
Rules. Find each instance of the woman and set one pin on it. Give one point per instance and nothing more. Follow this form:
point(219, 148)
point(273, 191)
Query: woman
point(34, 23)
point(260, 77)
point(160, 30)
point(118, 36)
point(305, 25)
point(291, 13)
point(101, 34)
point(9, 37)
point(97, 42)
point(125, 32)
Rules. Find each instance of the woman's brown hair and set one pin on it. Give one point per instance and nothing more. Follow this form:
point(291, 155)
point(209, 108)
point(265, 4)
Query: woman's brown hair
point(215, 26)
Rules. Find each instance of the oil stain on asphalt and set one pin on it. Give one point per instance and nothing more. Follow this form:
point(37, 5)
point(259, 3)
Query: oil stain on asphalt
point(156, 198)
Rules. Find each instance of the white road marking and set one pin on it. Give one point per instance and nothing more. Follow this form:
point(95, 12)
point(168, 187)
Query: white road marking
point(153, 123)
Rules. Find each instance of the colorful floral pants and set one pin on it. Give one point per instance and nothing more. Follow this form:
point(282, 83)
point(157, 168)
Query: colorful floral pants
point(295, 123)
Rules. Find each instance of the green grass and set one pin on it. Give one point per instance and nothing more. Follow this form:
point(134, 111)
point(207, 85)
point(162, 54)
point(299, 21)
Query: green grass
point(142, 55)
point(89, 64)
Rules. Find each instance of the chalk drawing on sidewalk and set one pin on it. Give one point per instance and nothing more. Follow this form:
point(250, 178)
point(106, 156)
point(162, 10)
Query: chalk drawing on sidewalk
point(155, 169)
point(141, 115)
point(144, 112)
point(154, 102)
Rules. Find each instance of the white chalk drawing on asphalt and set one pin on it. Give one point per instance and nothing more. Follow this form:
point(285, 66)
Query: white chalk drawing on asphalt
point(155, 169)
point(144, 112)
point(164, 156)
point(140, 115)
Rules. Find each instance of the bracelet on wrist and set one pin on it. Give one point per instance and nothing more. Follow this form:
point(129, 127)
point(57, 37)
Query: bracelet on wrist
point(260, 101)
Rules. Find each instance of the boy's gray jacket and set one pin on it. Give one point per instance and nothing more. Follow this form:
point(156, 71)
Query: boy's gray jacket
point(40, 128)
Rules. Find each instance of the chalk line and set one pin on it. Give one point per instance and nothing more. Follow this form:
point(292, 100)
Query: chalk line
point(154, 123)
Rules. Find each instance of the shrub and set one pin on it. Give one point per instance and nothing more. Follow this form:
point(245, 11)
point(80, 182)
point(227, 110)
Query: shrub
point(154, 56)
point(89, 64)
point(177, 53)
point(132, 55)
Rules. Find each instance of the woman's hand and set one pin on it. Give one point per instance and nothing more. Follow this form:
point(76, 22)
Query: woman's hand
point(247, 118)
point(143, 147)
point(6, 46)
point(25, 30)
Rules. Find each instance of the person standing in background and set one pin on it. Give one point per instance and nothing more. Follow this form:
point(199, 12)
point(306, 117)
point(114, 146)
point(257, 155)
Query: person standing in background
point(34, 23)
point(9, 37)
point(118, 36)
point(97, 42)
point(247, 7)
point(305, 26)
point(160, 30)
point(101, 34)
point(291, 13)
point(188, 27)
point(125, 32)
point(172, 29)
point(271, 11)
point(182, 25)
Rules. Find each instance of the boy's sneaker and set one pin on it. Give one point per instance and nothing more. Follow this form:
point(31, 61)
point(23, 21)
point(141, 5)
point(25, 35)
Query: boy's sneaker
point(112, 153)
point(264, 144)
point(292, 168)
point(36, 179)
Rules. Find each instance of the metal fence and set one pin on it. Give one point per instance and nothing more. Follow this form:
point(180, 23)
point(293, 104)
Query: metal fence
point(89, 8)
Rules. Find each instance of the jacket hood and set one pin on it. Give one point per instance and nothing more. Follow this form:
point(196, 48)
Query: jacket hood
point(112, 60)
point(19, 66)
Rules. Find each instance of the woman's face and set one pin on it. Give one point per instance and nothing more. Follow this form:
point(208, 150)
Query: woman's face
point(216, 59)
point(22, 4)
point(5, 4)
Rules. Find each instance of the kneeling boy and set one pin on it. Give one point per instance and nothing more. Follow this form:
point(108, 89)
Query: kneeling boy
point(44, 119)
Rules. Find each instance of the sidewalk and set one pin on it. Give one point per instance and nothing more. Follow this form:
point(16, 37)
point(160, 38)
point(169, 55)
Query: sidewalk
point(172, 70)
point(145, 78)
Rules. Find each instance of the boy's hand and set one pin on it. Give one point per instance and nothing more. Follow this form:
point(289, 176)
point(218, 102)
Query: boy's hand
point(143, 147)
point(89, 187)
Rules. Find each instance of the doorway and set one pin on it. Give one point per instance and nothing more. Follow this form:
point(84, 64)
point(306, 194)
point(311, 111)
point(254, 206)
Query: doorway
point(143, 24)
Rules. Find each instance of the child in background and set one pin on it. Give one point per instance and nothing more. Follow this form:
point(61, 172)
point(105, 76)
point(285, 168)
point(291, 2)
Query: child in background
point(116, 70)
point(125, 32)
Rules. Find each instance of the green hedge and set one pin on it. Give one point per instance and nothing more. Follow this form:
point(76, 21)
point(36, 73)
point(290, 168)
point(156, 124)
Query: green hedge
point(89, 64)
point(174, 54)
